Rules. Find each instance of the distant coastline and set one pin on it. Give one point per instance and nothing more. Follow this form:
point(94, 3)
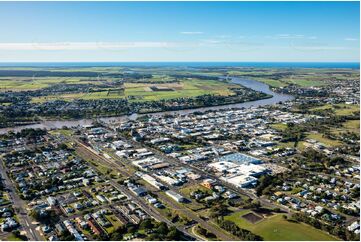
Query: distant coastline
point(352, 65)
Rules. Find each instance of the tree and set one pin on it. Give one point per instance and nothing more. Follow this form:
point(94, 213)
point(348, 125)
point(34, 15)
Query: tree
point(146, 224)
point(218, 210)
point(162, 228)
point(172, 234)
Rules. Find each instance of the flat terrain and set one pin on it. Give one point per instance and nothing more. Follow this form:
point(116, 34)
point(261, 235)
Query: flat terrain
point(301, 77)
point(143, 91)
point(339, 109)
point(277, 228)
point(320, 138)
point(36, 83)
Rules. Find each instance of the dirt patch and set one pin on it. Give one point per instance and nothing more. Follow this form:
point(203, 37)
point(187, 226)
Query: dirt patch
point(161, 89)
point(264, 212)
point(252, 218)
point(206, 88)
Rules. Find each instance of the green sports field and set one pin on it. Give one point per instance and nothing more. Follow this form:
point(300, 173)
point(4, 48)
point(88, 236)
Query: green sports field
point(276, 227)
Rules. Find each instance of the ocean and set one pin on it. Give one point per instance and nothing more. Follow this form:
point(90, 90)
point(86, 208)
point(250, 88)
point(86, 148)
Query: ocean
point(352, 65)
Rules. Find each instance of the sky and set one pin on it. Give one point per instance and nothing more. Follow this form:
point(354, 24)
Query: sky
point(179, 31)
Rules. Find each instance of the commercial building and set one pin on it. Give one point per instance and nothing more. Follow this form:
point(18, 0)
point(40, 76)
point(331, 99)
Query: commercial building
point(175, 196)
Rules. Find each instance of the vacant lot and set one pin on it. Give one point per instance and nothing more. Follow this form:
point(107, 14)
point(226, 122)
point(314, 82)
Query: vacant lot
point(278, 228)
point(252, 218)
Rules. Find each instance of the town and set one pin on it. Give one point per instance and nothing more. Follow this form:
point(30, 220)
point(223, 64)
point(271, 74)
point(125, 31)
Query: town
point(180, 120)
point(205, 175)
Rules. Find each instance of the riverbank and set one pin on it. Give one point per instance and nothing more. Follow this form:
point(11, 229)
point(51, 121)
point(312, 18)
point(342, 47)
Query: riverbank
point(271, 98)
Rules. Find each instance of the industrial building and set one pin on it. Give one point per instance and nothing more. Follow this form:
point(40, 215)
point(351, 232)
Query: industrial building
point(175, 196)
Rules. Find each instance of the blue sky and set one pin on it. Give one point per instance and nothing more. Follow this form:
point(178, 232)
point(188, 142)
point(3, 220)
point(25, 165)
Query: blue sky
point(176, 31)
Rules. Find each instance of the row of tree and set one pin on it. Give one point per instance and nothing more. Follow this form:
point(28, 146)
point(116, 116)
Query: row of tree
point(336, 230)
point(243, 234)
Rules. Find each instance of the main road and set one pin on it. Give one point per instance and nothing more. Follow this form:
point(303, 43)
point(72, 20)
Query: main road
point(85, 150)
point(20, 206)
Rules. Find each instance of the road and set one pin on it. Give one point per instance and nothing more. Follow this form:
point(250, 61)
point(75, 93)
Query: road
point(117, 162)
point(190, 214)
point(194, 216)
point(264, 202)
point(20, 206)
point(82, 149)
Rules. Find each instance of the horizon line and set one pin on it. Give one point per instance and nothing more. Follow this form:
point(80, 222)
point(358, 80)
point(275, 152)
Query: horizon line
point(180, 61)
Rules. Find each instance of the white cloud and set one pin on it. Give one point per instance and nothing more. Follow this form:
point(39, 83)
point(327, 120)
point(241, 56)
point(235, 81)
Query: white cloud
point(288, 36)
point(224, 36)
point(211, 41)
point(192, 32)
point(317, 48)
point(83, 45)
point(351, 39)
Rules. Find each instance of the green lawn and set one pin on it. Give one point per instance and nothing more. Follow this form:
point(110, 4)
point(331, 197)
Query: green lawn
point(286, 81)
point(279, 126)
point(30, 83)
point(186, 88)
point(115, 222)
point(65, 132)
point(188, 189)
point(339, 109)
point(324, 140)
point(352, 126)
point(346, 109)
point(286, 145)
point(305, 82)
point(12, 237)
point(277, 228)
point(272, 82)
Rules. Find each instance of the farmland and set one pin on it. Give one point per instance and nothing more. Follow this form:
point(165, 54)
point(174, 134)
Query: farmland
point(142, 91)
point(302, 77)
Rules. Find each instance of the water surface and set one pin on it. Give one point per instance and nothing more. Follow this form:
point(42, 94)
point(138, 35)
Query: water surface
point(255, 85)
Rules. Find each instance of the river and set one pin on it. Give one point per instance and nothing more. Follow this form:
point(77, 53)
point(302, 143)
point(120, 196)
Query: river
point(255, 85)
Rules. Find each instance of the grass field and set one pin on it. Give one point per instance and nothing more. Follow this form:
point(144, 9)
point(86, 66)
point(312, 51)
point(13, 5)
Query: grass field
point(272, 82)
point(187, 88)
point(142, 91)
point(305, 82)
point(12, 237)
point(278, 228)
point(324, 140)
point(279, 126)
point(340, 109)
point(65, 132)
point(352, 126)
point(30, 83)
point(189, 189)
point(286, 145)
point(115, 222)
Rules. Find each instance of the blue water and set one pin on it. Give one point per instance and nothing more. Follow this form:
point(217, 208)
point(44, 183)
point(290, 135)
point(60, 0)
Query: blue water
point(353, 65)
